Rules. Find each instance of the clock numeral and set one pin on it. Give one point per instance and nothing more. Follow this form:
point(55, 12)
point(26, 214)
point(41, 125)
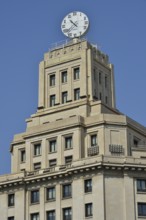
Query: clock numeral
point(75, 35)
point(63, 26)
point(64, 21)
point(74, 13)
point(85, 27)
point(69, 16)
point(85, 18)
point(65, 30)
point(70, 34)
point(86, 22)
point(80, 14)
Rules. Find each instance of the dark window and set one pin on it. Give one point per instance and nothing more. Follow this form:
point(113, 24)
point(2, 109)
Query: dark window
point(51, 215)
point(67, 214)
point(106, 99)
point(37, 149)
point(50, 193)
point(52, 80)
point(88, 185)
point(88, 210)
point(68, 142)
point(105, 81)
point(52, 163)
point(52, 100)
point(11, 200)
point(100, 96)
point(141, 185)
point(68, 160)
point(99, 77)
point(35, 216)
point(66, 190)
point(76, 94)
point(52, 146)
point(64, 97)
point(64, 77)
point(35, 196)
point(11, 218)
point(93, 140)
point(141, 209)
point(76, 73)
point(37, 166)
point(136, 141)
point(22, 156)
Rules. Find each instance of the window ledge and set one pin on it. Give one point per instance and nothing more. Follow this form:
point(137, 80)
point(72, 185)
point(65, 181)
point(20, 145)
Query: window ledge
point(68, 197)
point(37, 155)
point(50, 200)
point(35, 203)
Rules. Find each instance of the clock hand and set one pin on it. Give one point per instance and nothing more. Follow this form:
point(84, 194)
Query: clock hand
point(72, 27)
point(75, 24)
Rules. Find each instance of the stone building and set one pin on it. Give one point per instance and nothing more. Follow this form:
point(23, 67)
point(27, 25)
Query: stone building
point(79, 158)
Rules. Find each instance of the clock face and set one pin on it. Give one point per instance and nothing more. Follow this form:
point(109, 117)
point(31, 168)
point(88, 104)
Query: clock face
point(75, 24)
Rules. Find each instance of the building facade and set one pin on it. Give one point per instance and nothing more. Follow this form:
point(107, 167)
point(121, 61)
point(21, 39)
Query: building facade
point(80, 157)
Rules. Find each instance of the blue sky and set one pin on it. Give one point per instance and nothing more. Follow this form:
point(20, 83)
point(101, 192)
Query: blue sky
point(28, 29)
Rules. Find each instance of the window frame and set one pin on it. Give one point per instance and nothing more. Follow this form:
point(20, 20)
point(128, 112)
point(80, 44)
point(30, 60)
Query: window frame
point(52, 80)
point(70, 161)
point(34, 196)
point(141, 185)
point(66, 191)
point(64, 76)
point(37, 166)
point(22, 155)
point(55, 164)
point(51, 190)
point(11, 200)
point(68, 142)
point(93, 140)
point(51, 212)
point(140, 210)
point(89, 210)
point(88, 185)
point(37, 151)
point(35, 215)
point(76, 75)
point(64, 97)
point(11, 218)
point(52, 100)
point(76, 94)
point(52, 146)
point(69, 213)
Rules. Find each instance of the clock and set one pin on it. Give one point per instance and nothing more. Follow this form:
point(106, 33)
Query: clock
point(75, 24)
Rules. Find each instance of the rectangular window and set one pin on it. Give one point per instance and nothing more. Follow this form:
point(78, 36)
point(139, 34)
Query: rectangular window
point(106, 99)
point(37, 149)
point(50, 193)
point(141, 209)
point(52, 100)
point(22, 156)
point(52, 146)
point(93, 140)
point(52, 163)
point(64, 77)
point(64, 97)
point(77, 94)
point(100, 78)
point(11, 200)
point(68, 160)
point(88, 185)
point(34, 196)
point(68, 142)
point(66, 190)
point(141, 185)
point(88, 210)
point(105, 81)
point(37, 166)
point(35, 216)
point(76, 73)
point(52, 80)
point(11, 218)
point(51, 215)
point(67, 214)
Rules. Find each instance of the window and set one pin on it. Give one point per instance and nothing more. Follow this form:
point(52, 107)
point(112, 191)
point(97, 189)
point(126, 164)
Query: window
point(64, 97)
point(136, 141)
point(68, 142)
point(106, 99)
point(34, 196)
point(52, 80)
point(93, 140)
point(37, 166)
point(88, 210)
point(37, 149)
point(52, 163)
point(67, 214)
point(64, 77)
point(11, 218)
point(76, 94)
point(51, 215)
point(35, 216)
point(66, 190)
point(141, 185)
point(88, 185)
point(11, 200)
point(68, 160)
point(50, 193)
point(22, 156)
point(100, 96)
point(99, 77)
point(105, 81)
point(52, 146)
point(141, 209)
point(52, 100)
point(76, 73)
